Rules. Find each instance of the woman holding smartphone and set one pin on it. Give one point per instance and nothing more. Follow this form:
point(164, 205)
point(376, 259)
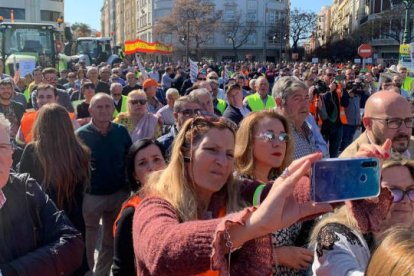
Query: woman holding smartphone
point(193, 221)
point(263, 150)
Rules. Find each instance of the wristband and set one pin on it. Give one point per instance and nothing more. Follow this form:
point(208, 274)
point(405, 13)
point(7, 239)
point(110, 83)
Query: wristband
point(257, 194)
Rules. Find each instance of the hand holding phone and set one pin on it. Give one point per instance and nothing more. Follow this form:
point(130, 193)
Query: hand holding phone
point(342, 179)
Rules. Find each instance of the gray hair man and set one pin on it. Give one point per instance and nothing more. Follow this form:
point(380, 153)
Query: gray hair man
point(292, 100)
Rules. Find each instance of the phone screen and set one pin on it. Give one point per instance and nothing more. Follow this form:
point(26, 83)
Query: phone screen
point(341, 179)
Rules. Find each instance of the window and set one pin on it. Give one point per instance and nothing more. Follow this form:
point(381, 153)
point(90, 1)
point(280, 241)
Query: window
point(251, 4)
point(227, 38)
point(252, 40)
point(229, 15)
point(19, 14)
point(251, 16)
point(49, 15)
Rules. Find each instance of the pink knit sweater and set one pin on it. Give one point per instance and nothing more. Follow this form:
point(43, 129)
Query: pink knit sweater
point(165, 246)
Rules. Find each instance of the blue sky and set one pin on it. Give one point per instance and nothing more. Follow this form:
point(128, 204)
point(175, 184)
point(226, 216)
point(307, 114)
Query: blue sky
point(89, 11)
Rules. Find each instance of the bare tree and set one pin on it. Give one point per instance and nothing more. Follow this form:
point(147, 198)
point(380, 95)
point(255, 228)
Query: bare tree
point(193, 21)
point(237, 31)
point(301, 26)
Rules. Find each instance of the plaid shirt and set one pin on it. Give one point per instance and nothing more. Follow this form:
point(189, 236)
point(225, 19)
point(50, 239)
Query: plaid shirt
point(2, 199)
point(304, 141)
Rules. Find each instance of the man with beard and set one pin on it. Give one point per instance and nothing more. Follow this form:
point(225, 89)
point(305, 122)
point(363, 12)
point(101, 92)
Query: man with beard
point(387, 115)
point(12, 110)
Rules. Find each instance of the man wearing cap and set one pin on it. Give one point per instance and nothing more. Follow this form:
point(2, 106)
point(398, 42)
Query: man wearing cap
point(150, 88)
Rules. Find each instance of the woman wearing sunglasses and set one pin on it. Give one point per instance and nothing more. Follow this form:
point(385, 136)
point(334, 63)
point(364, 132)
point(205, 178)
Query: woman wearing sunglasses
point(139, 122)
point(344, 240)
point(263, 150)
point(192, 220)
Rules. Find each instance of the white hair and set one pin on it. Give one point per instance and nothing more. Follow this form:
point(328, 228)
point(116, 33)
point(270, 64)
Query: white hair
point(200, 92)
point(172, 92)
point(114, 85)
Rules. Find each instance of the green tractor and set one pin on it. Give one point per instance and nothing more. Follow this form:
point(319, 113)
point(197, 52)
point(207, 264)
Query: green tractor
point(23, 46)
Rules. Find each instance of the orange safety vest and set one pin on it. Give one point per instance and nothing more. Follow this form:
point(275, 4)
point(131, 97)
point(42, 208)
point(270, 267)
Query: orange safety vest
point(342, 115)
point(313, 109)
point(135, 200)
point(28, 121)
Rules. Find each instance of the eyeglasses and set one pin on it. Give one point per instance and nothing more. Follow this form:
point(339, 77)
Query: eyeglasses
point(399, 194)
point(269, 136)
point(394, 123)
point(330, 75)
point(190, 112)
point(50, 79)
point(213, 78)
point(202, 79)
point(116, 94)
point(140, 101)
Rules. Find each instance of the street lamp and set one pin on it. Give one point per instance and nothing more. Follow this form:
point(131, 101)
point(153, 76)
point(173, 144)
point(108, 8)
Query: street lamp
point(407, 5)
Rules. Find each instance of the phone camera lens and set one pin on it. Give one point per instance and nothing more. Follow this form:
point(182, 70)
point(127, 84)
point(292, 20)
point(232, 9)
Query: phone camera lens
point(363, 178)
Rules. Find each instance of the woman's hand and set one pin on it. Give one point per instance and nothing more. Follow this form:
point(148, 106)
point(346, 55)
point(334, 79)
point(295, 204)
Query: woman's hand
point(370, 150)
point(280, 209)
point(294, 257)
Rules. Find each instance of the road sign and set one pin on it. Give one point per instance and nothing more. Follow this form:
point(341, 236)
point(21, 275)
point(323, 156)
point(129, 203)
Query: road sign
point(365, 51)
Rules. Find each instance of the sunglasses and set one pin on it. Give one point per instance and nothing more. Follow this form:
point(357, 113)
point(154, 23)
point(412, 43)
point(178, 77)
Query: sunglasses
point(191, 112)
point(399, 194)
point(213, 78)
point(269, 136)
point(201, 79)
point(141, 102)
point(330, 75)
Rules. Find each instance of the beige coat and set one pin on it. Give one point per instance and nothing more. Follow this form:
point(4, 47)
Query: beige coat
point(353, 148)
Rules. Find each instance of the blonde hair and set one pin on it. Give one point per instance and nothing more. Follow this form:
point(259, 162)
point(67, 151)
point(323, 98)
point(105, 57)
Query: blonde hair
point(394, 255)
point(137, 92)
point(243, 154)
point(174, 183)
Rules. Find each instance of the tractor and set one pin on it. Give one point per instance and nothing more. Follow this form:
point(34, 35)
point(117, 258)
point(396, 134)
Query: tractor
point(23, 46)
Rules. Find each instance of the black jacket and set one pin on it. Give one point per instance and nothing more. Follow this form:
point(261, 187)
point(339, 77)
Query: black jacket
point(36, 238)
point(233, 113)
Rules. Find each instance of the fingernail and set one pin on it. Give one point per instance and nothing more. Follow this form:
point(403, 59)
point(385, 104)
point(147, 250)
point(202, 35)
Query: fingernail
point(386, 155)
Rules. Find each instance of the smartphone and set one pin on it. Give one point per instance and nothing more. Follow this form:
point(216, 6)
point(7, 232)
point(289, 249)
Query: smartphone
point(341, 179)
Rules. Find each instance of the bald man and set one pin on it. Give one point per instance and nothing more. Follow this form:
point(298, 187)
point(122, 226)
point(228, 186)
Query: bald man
point(387, 115)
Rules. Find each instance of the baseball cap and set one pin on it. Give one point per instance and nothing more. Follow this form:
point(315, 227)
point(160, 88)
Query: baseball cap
point(149, 82)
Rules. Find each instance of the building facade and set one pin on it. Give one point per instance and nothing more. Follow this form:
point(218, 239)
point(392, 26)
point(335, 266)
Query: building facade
point(267, 41)
point(374, 17)
point(33, 11)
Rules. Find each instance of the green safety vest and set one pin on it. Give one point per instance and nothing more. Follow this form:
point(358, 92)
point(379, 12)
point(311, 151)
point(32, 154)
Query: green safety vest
point(256, 104)
point(407, 84)
point(124, 106)
point(221, 105)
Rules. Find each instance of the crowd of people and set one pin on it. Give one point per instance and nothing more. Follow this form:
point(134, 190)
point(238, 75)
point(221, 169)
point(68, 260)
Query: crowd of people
point(111, 170)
